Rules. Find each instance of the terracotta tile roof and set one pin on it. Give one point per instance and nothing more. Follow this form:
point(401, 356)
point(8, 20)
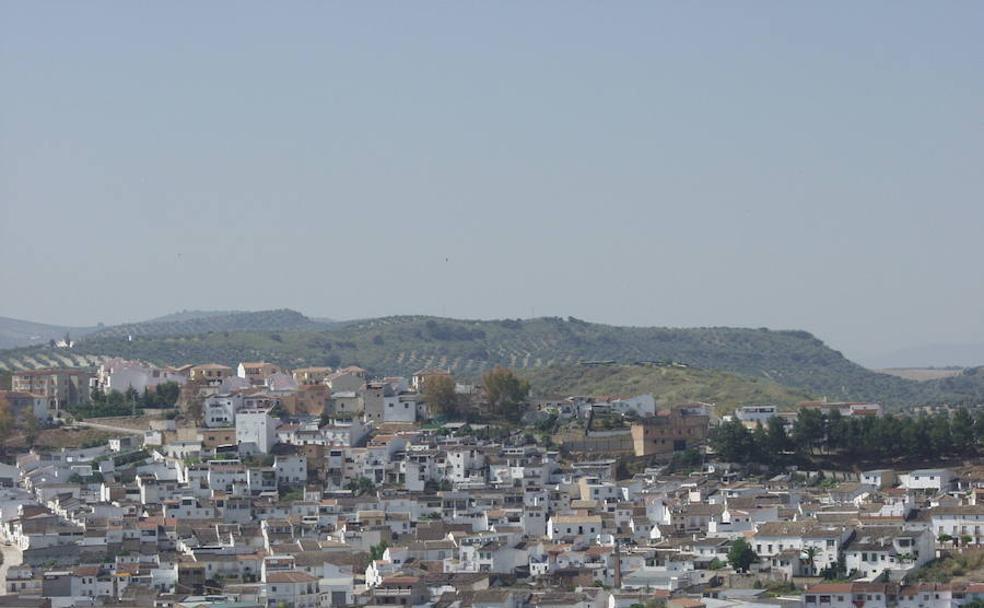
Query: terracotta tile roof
point(290, 576)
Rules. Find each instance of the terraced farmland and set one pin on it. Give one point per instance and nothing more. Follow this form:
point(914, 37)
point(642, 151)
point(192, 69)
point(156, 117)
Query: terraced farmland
point(15, 360)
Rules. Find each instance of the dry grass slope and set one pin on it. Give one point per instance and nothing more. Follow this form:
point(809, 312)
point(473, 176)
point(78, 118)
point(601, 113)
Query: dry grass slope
point(672, 385)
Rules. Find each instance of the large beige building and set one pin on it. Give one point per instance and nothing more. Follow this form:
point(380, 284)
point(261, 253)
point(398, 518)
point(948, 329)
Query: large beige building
point(211, 374)
point(671, 431)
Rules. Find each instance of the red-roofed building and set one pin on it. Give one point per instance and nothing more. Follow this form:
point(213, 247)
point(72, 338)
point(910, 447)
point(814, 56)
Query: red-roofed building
point(292, 588)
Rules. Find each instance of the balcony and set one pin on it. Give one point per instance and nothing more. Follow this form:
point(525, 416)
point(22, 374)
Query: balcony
point(392, 592)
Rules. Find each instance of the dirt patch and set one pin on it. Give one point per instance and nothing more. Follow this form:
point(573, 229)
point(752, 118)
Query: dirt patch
point(65, 437)
point(921, 374)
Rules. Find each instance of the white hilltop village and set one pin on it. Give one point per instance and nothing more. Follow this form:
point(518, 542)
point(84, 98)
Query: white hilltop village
point(256, 486)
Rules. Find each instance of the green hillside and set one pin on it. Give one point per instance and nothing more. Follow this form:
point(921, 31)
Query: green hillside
point(16, 333)
point(402, 345)
point(669, 384)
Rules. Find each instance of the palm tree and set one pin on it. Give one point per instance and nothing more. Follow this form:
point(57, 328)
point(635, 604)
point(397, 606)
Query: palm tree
point(811, 557)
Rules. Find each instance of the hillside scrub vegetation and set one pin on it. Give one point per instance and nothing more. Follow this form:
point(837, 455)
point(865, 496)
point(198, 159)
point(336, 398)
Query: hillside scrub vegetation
point(670, 385)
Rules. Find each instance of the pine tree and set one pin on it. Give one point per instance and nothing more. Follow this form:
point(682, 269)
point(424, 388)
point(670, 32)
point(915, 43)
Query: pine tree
point(778, 439)
point(962, 430)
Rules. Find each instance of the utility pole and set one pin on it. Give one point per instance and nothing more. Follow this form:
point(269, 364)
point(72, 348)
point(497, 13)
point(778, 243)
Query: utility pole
point(618, 565)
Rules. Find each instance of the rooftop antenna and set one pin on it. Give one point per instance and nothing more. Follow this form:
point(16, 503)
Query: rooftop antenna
point(444, 303)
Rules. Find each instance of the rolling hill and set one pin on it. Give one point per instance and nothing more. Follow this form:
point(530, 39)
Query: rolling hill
point(16, 333)
point(403, 344)
point(203, 322)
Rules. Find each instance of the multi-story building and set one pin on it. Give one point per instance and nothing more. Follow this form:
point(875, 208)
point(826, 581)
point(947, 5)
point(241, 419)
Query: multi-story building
point(826, 543)
point(209, 374)
point(572, 527)
point(671, 431)
point(220, 410)
point(61, 388)
point(933, 480)
point(964, 523)
point(258, 428)
point(257, 373)
point(118, 374)
point(751, 415)
point(878, 549)
point(312, 375)
point(291, 588)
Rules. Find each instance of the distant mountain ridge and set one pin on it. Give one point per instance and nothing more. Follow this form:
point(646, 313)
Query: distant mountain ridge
point(189, 315)
point(404, 344)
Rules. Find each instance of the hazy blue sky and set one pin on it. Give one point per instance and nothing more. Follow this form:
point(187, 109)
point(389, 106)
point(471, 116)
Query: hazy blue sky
point(734, 163)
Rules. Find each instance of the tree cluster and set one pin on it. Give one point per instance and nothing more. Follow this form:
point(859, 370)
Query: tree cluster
point(506, 393)
point(6, 422)
point(863, 438)
point(361, 486)
point(741, 556)
point(440, 395)
point(163, 395)
point(115, 403)
point(447, 331)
